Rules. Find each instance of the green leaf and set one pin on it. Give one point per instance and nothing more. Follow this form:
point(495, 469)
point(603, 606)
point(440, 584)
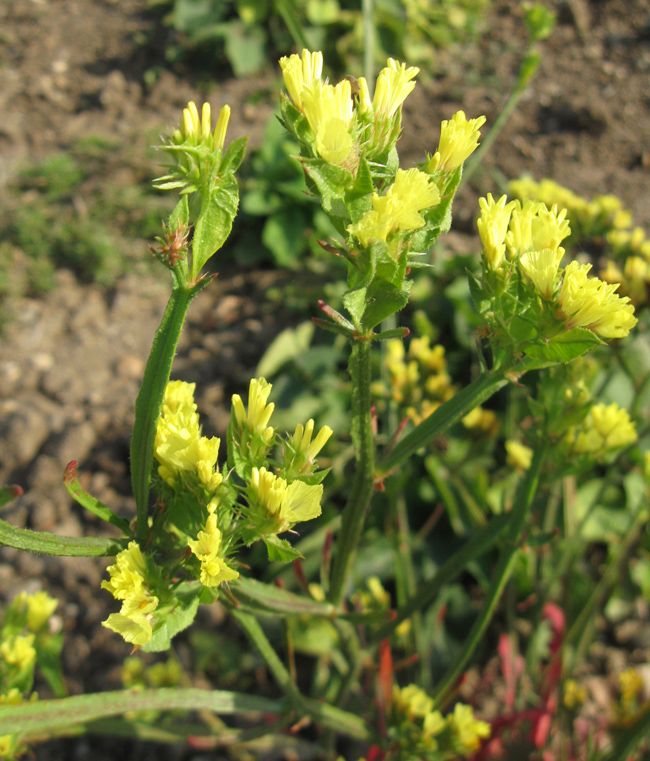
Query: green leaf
point(71, 483)
point(173, 622)
point(284, 234)
point(50, 544)
point(564, 347)
point(287, 346)
point(280, 550)
point(358, 200)
point(272, 599)
point(8, 494)
point(332, 182)
point(383, 300)
point(180, 217)
point(214, 224)
point(481, 301)
point(355, 302)
point(245, 47)
point(233, 156)
point(46, 716)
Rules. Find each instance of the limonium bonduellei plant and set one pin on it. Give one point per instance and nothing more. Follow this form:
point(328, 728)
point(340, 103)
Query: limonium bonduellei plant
point(200, 502)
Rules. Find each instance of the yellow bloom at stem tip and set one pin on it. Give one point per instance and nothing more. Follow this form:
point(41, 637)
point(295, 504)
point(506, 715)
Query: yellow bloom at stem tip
point(411, 193)
point(329, 111)
point(493, 226)
point(196, 130)
point(206, 547)
point(458, 140)
point(394, 84)
point(605, 428)
point(288, 503)
point(541, 267)
point(256, 418)
point(467, 729)
point(18, 651)
point(299, 72)
point(587, 302)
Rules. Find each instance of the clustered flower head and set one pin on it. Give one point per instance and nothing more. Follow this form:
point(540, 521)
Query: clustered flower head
point(285, 504)
point(458, 140)
point(605, 429)
point(179, 447)
point(422, 730)
point(129, 582)
point(532, 235)
point(207, 548)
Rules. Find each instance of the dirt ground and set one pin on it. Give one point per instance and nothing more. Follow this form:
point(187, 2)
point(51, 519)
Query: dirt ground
point(70, 363)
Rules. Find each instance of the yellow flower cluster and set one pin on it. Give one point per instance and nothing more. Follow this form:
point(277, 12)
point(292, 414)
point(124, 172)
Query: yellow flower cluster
point(519, 456)
point(606, 427)
point(419, 380)
point(398, 209)
point(37, 609)
point(300, 456)
point(588, 302)
point(195, 130)
point(288, 504)
point(128, 583)
point(179, 446)
point(457, 733)
point(458, 140)
point(18, 651)
point(207, 548)
point(574, 694)
point(634, 697)
point(255, 420)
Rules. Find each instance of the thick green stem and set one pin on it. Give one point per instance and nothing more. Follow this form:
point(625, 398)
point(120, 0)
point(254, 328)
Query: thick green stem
point(362, 487)
point(150, 398)
point(444, 417)
point(507, 560)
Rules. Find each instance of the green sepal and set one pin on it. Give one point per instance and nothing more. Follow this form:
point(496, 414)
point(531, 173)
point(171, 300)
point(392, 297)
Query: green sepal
point(564, 347)
point(218, 210)
point(296, 123)
point(333, 327)
point(74, 489)
point(173, 621)
point(279, 550)
point(233, 156)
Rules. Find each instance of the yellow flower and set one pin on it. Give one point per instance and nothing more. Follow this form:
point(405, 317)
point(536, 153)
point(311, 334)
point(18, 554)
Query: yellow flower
point(549, 229)
point(606, 427)
point(519, 456)
point(135, 629)
point(591, 303)
point(541, 267)
point(195, 130)
point(493, 226)
point(206, 547)
point(299, 72)
point(467, 730)
point(574, 694)
point(458, 140)
point(434, 724)
point(256, 419)
point(519, 238)
point(40, 607)
point(399, 209)
point(19, 651)
point(394, 85)
point(412, 701)
point(631, 685)
point(329, 111)
point(288, 503)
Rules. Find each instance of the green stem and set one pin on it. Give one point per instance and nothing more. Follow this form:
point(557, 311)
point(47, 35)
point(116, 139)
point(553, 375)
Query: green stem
point(325, 714)
point(152, 393)
point(507, 560)
point(425, 595)
point(445, 416)
point(358, 502)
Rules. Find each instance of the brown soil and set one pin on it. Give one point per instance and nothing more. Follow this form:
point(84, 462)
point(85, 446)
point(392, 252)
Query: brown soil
point(71, 362)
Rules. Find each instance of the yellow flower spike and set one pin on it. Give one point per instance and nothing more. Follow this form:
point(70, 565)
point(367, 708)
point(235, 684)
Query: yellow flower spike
point(19, 651)
point(591, 303)
point(492, 228)
point(541, 267)
point(458, 140)
point(40, 607)
point(219, 136)
point(299, 72)
point(206, 547)
point(519, 456)
point(394, 85)
point(519, 238)
point(467, 730)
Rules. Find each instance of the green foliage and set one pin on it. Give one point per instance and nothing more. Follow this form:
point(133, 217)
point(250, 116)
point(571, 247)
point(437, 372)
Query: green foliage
point(247, 34)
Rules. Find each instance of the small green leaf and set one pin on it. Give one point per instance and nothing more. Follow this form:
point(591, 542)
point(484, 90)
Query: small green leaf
point(332, 182)
point(564, 347)
point(71, 483)
point(280, 550)
point(287, 346)
point(233, 156)
point(355, 302)
point(180, 217)
point(173, 622)
point(383, 300)
point(214, 224)
point(272, 599)
point(50, 544)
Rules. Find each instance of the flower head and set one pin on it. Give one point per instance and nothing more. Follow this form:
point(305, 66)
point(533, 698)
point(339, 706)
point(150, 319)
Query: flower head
point(458, 140)
point(591, 303)
point(468, 731)
point(299, 72)
point(329, 112)
point(256, 419)
point(18, 651)
point(40, 607)
point(519, 456)
point(287, 503)
point(492, 228)
point(207, 548)
point(541, 267)
point(394, 85)
point(606, 427)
